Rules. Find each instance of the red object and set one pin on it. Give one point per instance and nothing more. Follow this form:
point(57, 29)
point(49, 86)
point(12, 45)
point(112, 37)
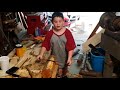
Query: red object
point(33, 22)
point(67, 22)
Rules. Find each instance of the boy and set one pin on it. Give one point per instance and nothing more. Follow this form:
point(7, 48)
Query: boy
point(60, 41)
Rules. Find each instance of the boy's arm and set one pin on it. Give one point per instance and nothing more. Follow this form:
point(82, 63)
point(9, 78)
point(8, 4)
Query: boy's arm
point(43, 49)
point(70, 53)
point(45, 45)
point(40, 56)
point(70, 46)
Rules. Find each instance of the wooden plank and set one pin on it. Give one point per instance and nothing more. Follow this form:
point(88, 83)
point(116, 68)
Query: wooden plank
point(29, 44)
point(12, 53)
point(55, 71)
point(14, 60)
point(96, 39)
point(23, 59)
point(50, 69)
point(33, 55)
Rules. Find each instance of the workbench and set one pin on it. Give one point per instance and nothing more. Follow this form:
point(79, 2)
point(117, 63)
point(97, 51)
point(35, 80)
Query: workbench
point(28, 67)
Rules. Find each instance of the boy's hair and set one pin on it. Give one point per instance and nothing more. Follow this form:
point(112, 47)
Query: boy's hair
point(57, 14)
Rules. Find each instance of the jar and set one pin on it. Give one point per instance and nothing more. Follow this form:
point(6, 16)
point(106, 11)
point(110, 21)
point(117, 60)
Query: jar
point(19, 50)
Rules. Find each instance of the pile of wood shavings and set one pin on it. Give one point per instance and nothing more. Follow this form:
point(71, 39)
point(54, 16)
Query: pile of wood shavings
point(69, 75)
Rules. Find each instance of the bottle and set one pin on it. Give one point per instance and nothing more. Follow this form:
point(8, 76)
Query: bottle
point(37, 32)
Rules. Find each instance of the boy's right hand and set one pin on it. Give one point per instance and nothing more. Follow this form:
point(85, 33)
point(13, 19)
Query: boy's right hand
point(39, 57)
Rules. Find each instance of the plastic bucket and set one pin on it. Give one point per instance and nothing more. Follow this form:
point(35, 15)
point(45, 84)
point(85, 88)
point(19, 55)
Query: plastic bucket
point(97, 61)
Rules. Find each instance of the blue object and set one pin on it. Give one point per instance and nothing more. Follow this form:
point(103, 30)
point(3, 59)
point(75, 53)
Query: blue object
point(37, 32)
point(97, 61)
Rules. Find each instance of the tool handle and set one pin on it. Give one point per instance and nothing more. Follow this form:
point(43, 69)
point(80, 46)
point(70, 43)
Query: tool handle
point(95, 49)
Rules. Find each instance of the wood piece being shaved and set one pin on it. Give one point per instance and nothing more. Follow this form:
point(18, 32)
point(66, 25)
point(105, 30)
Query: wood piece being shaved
point(23, 73)
point(55, 69)
point(46, 73)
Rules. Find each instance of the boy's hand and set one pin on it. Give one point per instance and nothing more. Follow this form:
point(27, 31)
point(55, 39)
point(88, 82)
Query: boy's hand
point(69, 62)
point(39, 57)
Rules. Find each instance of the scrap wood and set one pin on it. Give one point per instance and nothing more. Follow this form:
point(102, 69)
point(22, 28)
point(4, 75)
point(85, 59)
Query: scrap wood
point(14, 60)
point(46, 73)
point(94, 40)
point(35, 70)
point(90, 73)
point(50, 69)
point(27, 62)
point(55, 69)
point(36, 51)
point(41, 38)
point(36, 74)
point(29, 43)
point(33, 53)
point(23, 59)
point(30, 73)
point(69, 75)
point(12, 53)
point(35, 66)
point(23, 72)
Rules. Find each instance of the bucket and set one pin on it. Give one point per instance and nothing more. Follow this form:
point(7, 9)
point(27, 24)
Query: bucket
point(97, 61)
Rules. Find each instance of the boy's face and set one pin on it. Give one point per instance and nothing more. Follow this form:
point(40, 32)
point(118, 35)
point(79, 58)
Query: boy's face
point(58, 23)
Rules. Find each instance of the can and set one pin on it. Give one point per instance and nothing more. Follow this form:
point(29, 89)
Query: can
point(19, 50)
